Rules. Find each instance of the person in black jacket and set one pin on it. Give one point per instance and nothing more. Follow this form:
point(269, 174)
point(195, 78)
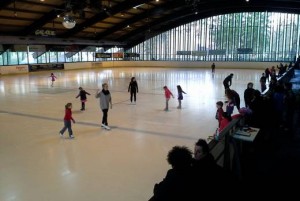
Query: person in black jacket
point(133, 89)
point(178, 183)
point(210, 175)
point(83, 99)
point(228, 81)
point(248, 94)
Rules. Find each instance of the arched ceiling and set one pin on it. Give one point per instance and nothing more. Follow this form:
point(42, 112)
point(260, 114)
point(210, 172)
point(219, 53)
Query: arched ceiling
point(110, 23)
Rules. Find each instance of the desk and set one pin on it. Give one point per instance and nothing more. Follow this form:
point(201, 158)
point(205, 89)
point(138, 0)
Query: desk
point(246, 134)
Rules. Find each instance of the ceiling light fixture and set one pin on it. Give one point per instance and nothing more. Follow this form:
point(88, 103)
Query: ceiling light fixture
point(69, 22)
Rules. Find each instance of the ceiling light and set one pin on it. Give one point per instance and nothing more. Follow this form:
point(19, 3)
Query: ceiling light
point(69, 22)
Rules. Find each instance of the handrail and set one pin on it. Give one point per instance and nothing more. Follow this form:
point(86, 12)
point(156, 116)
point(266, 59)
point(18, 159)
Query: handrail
point(223, 149)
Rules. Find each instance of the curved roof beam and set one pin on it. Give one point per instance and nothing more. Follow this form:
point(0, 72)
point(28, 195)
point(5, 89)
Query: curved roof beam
point(139, 17)
point(185, 16)
point(125, 5)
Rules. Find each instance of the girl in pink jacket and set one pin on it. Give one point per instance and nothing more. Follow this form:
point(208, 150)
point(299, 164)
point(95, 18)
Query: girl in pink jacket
point(168, 95)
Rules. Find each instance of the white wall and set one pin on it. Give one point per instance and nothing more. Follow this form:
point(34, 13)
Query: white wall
point(5, 70)
point(135, 64)
point(82, 65)
point(194, 64)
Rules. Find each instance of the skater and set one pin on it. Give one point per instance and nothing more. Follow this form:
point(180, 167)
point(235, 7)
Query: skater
point(67, 121)
point(133, 88)
point(53, 77)
point(180, 96)
point(213, 67)
point(168, 95)
point(219, 112)
point(105, 100)
point(228, 81)
point(83, 99)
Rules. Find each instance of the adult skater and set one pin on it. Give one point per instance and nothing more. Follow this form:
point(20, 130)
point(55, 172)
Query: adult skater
point(105, 100)
point(133, 89)
point(228, 81)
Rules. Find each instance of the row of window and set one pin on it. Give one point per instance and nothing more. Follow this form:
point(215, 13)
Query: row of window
point(253, 36)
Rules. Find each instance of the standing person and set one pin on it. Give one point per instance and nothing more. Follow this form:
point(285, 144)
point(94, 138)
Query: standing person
point(207, 171)
point(267, 74)
point(67, 121)
point(219, 112)
point(233, 95)
point(83, 99)
point(133, 88)
point(53, 77)
point(178, 182)
point(105, 100)
point(229, 105)
point(228, 81)
point(213, 67)
point(168, 95)
point(180, 96)
point(263, 81)
point(248, 94)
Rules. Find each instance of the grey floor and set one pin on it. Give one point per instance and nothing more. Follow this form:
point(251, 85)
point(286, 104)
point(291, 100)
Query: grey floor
point(122, 164)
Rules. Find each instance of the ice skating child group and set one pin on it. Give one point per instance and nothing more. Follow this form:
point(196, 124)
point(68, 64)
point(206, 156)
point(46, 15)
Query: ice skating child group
point(105, 102)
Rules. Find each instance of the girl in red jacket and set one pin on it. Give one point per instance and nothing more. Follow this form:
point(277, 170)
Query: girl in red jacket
point(168, 95)
point(67, 121)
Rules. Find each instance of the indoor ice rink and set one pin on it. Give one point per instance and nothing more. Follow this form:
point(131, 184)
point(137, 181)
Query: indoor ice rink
point(120, 164)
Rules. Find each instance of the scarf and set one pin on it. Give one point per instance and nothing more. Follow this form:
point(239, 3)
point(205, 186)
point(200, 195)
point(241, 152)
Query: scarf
point(106, 92)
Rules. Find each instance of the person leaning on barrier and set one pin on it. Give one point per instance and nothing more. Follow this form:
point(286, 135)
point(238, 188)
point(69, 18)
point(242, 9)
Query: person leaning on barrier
point(207, 170)
point(177, 185)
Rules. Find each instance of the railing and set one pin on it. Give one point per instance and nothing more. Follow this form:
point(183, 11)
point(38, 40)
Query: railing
point(224, 149)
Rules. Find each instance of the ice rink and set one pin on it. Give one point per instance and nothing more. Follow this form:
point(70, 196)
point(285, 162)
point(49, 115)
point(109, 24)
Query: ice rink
point(121, 164)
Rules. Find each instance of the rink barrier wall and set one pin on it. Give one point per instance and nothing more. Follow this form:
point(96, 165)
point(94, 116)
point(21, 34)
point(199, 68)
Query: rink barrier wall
point(17, 69)
point(191, 64)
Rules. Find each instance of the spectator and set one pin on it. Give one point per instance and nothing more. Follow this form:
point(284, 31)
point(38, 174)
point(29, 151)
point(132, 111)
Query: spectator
point(263, 81)
point(248, 94)
point(177, 185)
point(219, 112)
point(207, 172)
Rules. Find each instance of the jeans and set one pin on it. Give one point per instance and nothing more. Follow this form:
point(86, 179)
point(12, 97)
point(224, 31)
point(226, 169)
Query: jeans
point(67, 125)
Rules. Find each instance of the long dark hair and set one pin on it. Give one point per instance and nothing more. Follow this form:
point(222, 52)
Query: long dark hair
point(179, 88)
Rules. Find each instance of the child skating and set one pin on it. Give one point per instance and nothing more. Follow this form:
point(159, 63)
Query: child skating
point(168, 95)
point(219, 112)
point(67, 121)
point(53, 78)
point(83, 99)
point(180, 96)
